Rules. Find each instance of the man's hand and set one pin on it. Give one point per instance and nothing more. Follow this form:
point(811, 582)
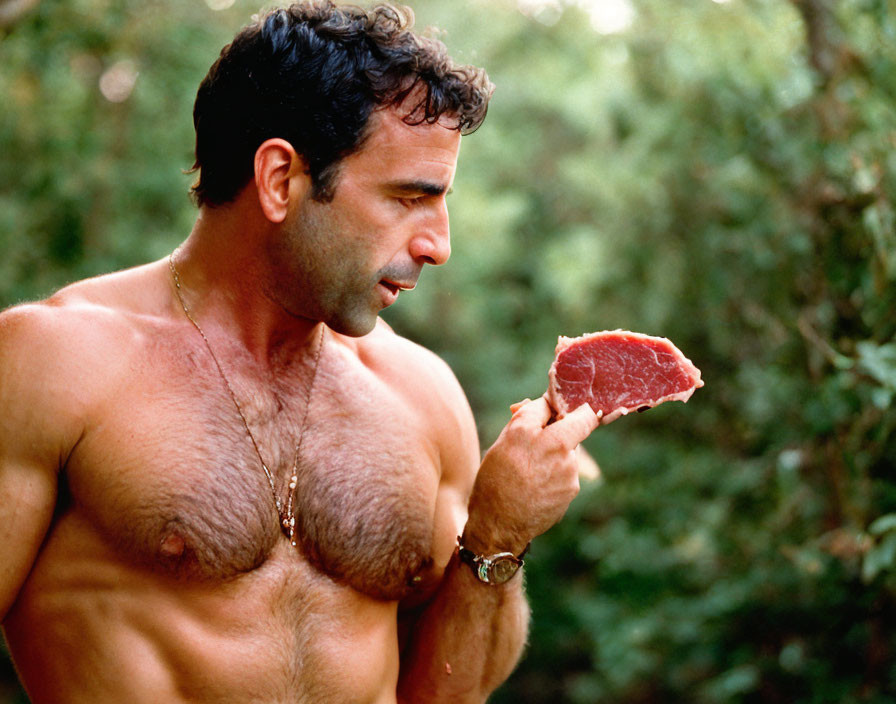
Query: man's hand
point(527, 479)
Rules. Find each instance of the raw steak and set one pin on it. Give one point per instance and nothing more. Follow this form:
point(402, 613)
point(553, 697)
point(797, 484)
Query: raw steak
point(617, 372)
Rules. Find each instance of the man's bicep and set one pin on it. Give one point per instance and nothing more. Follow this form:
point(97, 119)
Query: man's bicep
point(32, 431)
point(27, 500)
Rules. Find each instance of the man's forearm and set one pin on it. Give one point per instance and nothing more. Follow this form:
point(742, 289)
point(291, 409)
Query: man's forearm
point(466, 642)
point(470, 636)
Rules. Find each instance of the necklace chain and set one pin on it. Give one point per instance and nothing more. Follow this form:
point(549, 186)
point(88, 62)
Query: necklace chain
point(287, 517)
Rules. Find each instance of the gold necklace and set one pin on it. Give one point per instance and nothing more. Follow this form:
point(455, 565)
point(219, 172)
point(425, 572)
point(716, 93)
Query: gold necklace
point(287, 517)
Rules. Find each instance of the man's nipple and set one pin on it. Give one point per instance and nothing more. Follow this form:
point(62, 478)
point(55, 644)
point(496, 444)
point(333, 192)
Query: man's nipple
point(172, 545)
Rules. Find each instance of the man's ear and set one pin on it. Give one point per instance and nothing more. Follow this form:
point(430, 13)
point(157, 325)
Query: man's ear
point(280, 174)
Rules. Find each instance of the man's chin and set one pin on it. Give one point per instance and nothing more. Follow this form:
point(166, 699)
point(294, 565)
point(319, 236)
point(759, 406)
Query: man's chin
point(358, 326)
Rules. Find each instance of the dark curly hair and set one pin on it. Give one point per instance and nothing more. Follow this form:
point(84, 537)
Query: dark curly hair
point(313, 74)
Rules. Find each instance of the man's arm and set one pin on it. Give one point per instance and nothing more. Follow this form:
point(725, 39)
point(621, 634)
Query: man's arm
point(30, 395)
point(469, 637)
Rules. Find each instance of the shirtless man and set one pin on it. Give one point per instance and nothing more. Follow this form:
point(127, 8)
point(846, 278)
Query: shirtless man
point(222, 477)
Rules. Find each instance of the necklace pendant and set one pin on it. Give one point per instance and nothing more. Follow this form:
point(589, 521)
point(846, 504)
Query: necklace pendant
point(288, 527)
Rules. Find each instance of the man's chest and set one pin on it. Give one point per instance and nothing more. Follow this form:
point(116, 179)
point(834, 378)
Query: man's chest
point(169, 474)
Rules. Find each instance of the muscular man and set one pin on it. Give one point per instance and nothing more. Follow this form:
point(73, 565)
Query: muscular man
point(222, 477)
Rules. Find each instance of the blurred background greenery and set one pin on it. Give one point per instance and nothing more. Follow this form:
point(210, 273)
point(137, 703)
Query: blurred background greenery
point(718, 172)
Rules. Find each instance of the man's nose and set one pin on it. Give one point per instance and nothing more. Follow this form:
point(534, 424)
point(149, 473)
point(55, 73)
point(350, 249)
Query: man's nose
point(432, 243)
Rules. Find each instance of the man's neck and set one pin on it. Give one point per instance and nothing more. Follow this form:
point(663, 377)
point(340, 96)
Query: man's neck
point(223, 274)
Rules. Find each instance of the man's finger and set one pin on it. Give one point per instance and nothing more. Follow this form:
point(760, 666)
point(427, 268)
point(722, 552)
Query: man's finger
point(576, 426)
point(514, 407)
point(535, 413)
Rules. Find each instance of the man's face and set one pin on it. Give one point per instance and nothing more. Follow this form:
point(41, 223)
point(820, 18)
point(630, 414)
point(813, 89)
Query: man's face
point(342, 262)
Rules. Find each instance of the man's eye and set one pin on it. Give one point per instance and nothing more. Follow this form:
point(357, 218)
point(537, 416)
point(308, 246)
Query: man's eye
point(410, 202)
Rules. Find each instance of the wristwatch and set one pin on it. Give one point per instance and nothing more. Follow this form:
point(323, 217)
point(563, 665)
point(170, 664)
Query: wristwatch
point(491, 569)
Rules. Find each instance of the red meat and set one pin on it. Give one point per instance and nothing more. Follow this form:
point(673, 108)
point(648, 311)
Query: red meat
point(617, 372)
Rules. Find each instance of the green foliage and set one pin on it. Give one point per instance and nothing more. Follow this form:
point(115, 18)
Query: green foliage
point(721, 173)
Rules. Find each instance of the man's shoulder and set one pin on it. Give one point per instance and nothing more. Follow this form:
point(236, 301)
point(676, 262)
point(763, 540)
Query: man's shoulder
point(45, 388)
point(389, 353)
point(427, 382)
point(107, 298)
point(82, 326)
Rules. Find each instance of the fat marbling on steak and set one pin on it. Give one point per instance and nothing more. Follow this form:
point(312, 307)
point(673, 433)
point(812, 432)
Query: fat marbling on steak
point(617, 371)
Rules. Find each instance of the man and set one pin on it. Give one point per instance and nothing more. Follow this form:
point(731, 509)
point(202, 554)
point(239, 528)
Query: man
point(222, 477)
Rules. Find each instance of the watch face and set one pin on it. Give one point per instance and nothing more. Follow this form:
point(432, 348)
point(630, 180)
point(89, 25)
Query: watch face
point(504, 569)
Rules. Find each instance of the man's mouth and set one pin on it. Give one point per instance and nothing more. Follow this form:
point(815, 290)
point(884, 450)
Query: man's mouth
point(396, 286)
point(392, 287)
